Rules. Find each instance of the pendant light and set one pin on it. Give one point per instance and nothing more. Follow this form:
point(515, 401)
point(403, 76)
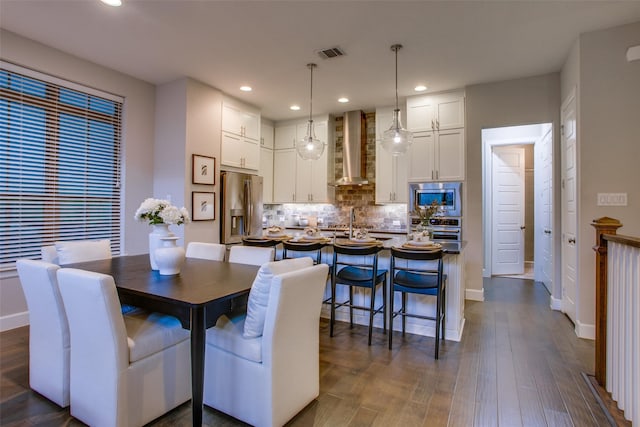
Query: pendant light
point(396, 139)
point(310, 147)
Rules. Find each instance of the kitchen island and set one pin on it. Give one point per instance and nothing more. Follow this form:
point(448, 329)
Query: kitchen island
point(425, 304)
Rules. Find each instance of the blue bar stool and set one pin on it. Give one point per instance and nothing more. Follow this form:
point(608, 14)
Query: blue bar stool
point(364, 275)
point(423, 275)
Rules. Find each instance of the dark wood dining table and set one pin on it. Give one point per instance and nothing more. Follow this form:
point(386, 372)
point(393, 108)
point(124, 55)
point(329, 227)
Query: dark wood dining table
point(202, 292)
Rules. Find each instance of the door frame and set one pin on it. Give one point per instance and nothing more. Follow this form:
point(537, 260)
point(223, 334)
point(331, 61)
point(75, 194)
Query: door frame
point(488, 143)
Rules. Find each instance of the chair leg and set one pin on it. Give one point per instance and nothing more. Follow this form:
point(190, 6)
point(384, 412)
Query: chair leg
point(333, 306)
point(438, 312)
point(351, 306)
point(404, 311)
point(384, 305)
point(371, 310)
point(444, 312)
point(391, 317)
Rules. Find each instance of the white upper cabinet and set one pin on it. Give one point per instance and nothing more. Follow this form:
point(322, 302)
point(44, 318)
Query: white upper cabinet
point(266, 135)
point(266, 172)
point(435, 112)
point(437, 123)
point(391, 171)
point(296, 179)
point(240, 136)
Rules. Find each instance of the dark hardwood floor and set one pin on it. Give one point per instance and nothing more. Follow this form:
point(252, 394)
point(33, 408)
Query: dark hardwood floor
point(519, 363)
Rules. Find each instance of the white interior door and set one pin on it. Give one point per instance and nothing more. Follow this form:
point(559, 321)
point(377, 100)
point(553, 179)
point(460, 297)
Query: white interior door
point(544, 211)
point(508, 210)
point(569, 209)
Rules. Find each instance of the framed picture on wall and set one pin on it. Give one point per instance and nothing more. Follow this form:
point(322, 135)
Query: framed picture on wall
point(204, 169)
point(202, 206)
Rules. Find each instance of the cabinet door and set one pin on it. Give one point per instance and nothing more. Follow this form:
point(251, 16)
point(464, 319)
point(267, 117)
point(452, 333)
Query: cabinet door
point(266, 136)
point(231, 152)
point(266, 172)
point(304, 177)
point(421, 112)
point(251, 125)
point(231, 119)
point(384, 175)
point(284, 176)
point(422, 157)
point(401, 175)
point(450, 111)
point(450, 152)
point(285, 137)
point(250, 154)
point(319, 178)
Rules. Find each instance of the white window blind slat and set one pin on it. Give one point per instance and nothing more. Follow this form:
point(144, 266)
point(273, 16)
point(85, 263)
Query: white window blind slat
point(59, 164)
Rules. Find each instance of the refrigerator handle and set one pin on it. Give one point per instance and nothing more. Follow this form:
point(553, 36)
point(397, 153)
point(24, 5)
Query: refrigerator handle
point(248, 206)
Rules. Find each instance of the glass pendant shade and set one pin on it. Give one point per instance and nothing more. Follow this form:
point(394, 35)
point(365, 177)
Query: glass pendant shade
point(396, 140)
point(310, 147)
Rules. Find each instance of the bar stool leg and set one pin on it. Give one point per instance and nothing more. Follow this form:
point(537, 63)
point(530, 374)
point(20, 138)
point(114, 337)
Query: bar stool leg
point(351, 306)
point(444, 311)
point(391, 318)
point(333, 305)
point(384, 305)
point(404, 312)
point(438, 318)
point(372, 310)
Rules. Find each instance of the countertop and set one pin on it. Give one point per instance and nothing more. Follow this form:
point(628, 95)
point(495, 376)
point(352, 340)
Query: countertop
point(387, 238)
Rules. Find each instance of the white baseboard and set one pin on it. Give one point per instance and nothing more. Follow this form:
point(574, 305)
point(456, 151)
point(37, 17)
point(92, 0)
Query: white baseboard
point(474, 294)
point(555, 303)
point(586, 331)
point(13, 321)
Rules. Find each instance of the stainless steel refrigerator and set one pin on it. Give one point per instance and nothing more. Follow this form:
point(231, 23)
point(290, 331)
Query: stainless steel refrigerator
point(241, 206)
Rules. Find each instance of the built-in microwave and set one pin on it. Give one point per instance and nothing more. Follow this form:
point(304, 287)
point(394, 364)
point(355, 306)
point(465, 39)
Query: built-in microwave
point(446, 194)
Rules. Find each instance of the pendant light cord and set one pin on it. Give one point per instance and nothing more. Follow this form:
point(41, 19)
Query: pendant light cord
point(396, 47)
point(311, 67)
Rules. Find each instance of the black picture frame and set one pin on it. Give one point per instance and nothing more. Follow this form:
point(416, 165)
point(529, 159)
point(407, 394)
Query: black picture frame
point(203, 169)
point(203, 207)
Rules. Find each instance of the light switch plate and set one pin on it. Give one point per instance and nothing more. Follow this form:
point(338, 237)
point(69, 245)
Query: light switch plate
point(612, 199)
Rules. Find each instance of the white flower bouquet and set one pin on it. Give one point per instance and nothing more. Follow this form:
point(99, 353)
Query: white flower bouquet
point(159, 211)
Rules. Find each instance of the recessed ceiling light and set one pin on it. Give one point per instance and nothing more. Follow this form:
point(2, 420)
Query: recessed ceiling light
point(294, 107)
point(246, 88)
point(112, 2)
point(420, 88)
point(343, 100)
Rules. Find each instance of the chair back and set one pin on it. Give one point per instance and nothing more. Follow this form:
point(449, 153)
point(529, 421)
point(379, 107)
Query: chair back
point(210, 251)
point(49, 254)
point(262, 243)
point(82, 250)
point(313, 249)
point(98, 337)
point(291, 328)
point(344, 255)
point(48, 330)
point(251, 255)
point(424, 268)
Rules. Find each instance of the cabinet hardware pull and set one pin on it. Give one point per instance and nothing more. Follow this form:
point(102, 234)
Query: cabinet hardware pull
point(438, 124)
point(432, 174)
point(572, 240)
point(522, 227)
point(432, 125)
point(547, 231)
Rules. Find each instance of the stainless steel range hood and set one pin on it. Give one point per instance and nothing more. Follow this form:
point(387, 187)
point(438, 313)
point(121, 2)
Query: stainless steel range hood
point(353, 149)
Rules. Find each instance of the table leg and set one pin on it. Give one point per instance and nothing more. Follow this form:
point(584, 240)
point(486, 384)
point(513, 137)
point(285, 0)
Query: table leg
point(198, 332)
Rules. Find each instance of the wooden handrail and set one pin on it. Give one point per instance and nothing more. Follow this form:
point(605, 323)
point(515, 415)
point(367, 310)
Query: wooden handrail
point(604, 226)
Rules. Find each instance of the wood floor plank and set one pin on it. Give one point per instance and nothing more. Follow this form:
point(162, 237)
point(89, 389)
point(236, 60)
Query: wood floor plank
point(518, 363)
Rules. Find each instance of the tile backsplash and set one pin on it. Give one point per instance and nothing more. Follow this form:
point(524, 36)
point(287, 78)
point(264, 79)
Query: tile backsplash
point(362, 198)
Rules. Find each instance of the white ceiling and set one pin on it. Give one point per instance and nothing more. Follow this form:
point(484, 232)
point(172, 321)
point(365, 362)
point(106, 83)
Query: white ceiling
point(267, 44)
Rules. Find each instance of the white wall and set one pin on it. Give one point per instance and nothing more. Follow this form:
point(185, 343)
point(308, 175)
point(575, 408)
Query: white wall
point(608, 144)
point(137, 144)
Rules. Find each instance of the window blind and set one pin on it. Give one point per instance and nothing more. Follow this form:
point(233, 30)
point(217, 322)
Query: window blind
point(59, 165)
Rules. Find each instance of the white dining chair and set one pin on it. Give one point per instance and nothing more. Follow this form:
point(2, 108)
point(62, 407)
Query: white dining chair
point(48, 330)
point(267, 379)
point(125, 370)
point(252, 255)
point(69, 252)
point(210, 251)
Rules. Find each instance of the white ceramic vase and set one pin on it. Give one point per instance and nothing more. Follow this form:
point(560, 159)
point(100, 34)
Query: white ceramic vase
point(159, 231)
point(170, 256)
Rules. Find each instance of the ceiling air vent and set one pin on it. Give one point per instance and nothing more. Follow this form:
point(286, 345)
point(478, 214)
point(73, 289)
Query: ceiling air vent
point(333, 52)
